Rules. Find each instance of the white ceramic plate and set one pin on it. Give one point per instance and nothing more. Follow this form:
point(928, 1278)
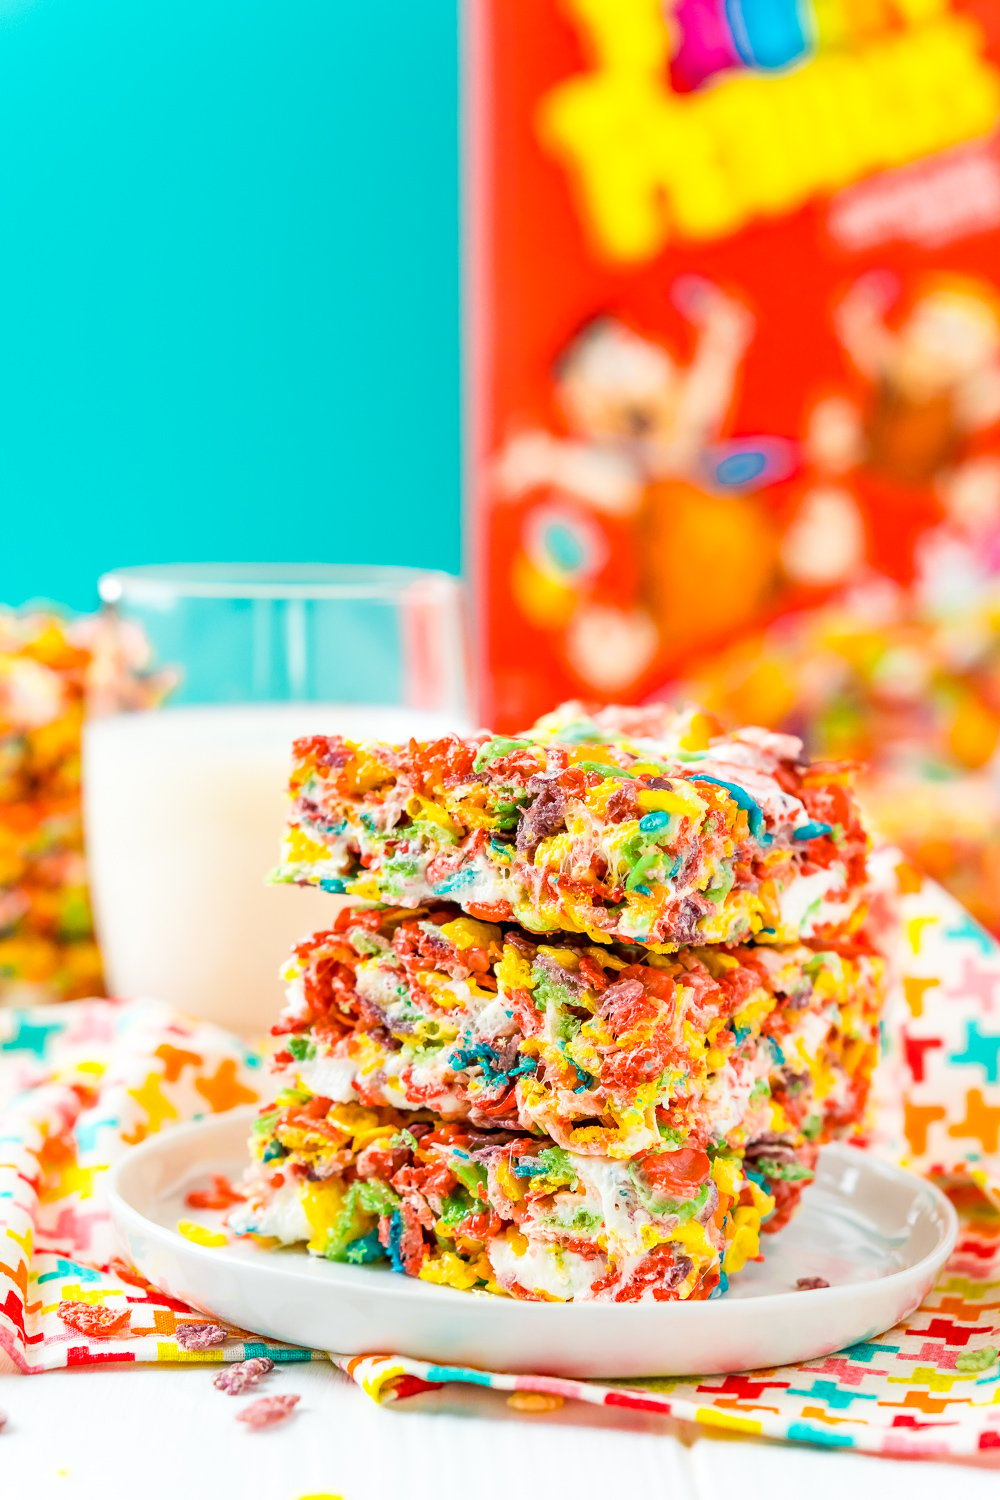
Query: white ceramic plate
point(878, 1235)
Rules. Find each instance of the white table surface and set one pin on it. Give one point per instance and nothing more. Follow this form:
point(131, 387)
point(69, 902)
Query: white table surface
point(161, 1433)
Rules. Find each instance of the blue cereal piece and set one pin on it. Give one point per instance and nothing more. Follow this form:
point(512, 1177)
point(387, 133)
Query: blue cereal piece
point(742, 798)
point(813, 830)
point(368, 1248)
point(395, 1242)
point(455, 882)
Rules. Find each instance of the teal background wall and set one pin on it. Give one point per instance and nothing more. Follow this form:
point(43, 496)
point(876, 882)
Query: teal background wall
point(228, 285)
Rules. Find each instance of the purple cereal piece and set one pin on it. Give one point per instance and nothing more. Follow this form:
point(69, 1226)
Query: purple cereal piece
point(810, 1283)
point(239, 1377)
point(267, 1410)
point(544, 816)
point(196, 1336)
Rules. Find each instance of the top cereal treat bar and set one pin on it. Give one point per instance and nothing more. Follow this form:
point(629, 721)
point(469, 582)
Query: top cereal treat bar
point(645, 825)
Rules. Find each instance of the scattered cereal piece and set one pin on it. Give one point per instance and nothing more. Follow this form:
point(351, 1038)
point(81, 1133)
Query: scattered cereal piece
point(977, 1359)
point(96, 1322)
point(267, 1410)
point(127, 1273)
point(810, 1283)
point(534, 1401)
point(220, 1195)
point(200, 1335)
point(239, 1377)
point(3, 1420)
point(200, 1234)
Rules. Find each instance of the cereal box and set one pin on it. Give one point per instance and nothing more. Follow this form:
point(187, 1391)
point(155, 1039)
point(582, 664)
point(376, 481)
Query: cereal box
point(734, 325)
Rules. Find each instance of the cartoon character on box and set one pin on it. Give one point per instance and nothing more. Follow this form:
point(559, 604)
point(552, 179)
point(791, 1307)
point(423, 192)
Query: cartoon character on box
point(639, 495)
point(908, 448)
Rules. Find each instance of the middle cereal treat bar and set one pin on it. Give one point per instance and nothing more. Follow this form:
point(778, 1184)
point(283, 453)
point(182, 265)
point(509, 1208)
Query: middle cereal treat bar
point(607, 1049)
point(642, 825)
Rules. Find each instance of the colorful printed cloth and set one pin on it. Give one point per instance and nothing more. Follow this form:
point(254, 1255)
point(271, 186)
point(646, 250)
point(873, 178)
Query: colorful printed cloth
point(82, 1081)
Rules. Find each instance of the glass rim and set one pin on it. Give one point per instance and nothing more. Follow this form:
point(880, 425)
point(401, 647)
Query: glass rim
point(156, 583)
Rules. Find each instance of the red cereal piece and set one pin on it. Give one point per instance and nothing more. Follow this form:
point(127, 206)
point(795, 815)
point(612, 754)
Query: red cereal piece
point(3, 1420)
point(237, 1378)
point(267, 1410)
point(810, 1283)
point(127, 1273)
point(220, 1195)
point(195, 1336)
point(93, 1321)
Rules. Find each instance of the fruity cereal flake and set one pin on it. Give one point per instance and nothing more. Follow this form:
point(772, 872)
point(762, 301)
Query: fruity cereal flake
point(94, 1321)
point(644, 825)
point(268, 1410)
point(237, 1378)
point(195, 1336)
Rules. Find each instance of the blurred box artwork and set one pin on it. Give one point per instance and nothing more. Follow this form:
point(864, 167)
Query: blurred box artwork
point(734, 298)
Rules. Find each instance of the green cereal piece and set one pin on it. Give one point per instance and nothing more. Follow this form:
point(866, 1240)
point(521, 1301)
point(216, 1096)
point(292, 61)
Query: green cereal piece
point(977, 1359)
point(496, 749)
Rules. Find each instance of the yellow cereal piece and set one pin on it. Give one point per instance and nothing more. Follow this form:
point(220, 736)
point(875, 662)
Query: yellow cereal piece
point(728, 1175)
point(367, 773)
point(440, 988)
point(514, 971)
point(607, 960)
point(359, 1123)
point(365, 888)
point(422, 811)
point(595, 755)
point(321, 1203)
point(744, 1243)
point(763, 1202)
point(448, 1269)
point(200, 1234)
point(465, 932)
point(301, 849)
point(698, 735)
point(752, 1015)
point(564, 957)
point(652, 800)
point(694, 1238)
point(559, 850)
point(508, 1181)
point(598, 797)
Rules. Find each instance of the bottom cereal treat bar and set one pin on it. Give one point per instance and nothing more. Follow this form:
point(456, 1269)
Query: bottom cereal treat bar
point(509, 1213)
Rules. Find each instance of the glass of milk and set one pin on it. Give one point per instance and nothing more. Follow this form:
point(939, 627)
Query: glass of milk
point(185, 804)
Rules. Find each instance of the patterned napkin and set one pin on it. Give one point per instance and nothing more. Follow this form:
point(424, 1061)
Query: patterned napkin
point(82, 1081)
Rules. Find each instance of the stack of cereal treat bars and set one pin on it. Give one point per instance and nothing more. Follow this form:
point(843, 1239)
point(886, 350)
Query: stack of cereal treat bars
point(606, 992)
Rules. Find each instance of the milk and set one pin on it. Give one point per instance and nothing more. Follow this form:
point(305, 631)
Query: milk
point(184, 811)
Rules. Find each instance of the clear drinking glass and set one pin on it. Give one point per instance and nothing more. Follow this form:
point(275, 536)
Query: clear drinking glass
point(184, 804)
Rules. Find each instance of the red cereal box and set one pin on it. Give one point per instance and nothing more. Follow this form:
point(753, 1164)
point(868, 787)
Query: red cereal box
point(734, 299)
